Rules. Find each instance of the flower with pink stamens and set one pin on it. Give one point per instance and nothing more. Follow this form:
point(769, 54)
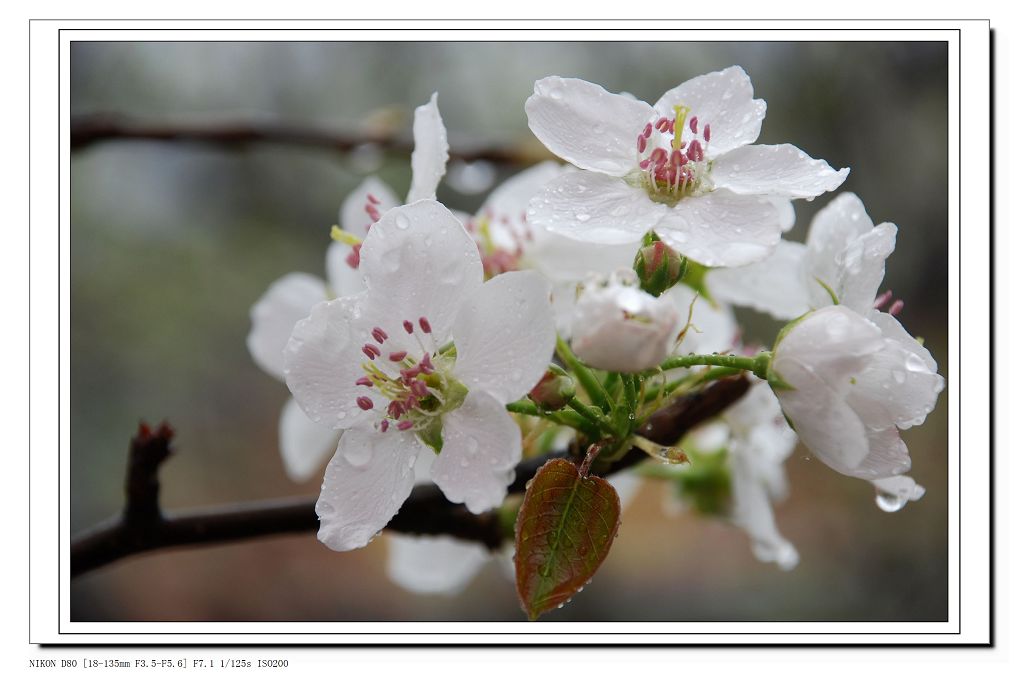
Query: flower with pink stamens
point(716, 204)
point(457, 368)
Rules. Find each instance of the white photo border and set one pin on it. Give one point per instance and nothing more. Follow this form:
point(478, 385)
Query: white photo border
point(970, 586)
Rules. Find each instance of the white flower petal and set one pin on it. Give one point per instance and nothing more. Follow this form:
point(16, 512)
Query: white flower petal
point(481, 446)
point(596, 208)
point(418, 261)
point(343, 279)
point(439, 565)
point(586, 125)
point(304, 444)
point(722, 228)
point(621, 328)
point(887, 456)
point(725, 101)
point(834, 228)
point(775, 286)
point(507, 205)
point(822, 419)
point(354, 216)
point(897, 387)
point(274, 315)
point(759, 406)
point(834, 343)
point(504, 335)
point(431, 151)
point(782, 170)
point(366, 482)
point(861, 268)
point(752, 511)
point(786, 212)
point(891, 328)
point(322, 361)
point(566, 260)
point(564, 298)
point(713, 329)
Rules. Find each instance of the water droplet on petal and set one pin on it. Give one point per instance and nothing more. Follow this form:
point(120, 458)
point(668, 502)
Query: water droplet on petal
point(890, 502)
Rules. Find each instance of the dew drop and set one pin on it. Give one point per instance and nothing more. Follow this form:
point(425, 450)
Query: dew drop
point(402, 222)
point(899, 376)
point(890, 502)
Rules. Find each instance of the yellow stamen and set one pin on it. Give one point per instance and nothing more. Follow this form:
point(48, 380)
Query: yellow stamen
point(681, 113)
point(341, 235)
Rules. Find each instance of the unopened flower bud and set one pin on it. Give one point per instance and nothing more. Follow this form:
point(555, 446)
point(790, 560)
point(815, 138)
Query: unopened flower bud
point(658, 267)
point(553, 391)
point(620, 328)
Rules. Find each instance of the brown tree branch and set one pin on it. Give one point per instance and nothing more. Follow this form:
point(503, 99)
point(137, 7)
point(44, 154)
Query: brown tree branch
point(143, 527)
point(87, 130)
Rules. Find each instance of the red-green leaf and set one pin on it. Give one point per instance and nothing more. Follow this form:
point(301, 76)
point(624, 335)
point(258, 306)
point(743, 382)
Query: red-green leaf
point(565, 528)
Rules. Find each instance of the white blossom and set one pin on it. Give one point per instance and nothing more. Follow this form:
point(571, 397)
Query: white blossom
point(619, 327)
point(380, 366)
point(684, 168)
point(304, 445)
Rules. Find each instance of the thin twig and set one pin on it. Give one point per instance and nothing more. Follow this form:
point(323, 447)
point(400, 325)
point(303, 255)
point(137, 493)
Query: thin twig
point(142, 526)
point(87, 130)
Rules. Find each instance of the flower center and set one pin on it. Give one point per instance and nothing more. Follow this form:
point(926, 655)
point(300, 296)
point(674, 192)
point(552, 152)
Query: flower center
point(499, 258)
point(671, 168)
point(416, 390)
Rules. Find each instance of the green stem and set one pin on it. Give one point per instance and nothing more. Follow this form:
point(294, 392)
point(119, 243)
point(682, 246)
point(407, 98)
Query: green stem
point(566, 418)
point(665, 389)
point(612, 384)
point(587, 412)
point(584, 375)
point(757, 364)
point(630, 391)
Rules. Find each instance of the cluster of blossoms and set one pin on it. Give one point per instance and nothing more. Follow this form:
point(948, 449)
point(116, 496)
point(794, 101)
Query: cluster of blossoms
point(574, 304)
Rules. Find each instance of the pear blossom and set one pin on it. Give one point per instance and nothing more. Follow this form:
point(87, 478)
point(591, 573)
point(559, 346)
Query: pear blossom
point(305, 445)
point(619, 327)
point(853, 382)
point(856, 376)
point(509, 241)
point(685, 167)
point(750, 443)
point(373, 197)
point(425, 357)
point(760, 442)
point(844, 252)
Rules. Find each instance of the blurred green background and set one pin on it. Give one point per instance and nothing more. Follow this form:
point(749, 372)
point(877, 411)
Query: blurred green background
point(172, 243)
